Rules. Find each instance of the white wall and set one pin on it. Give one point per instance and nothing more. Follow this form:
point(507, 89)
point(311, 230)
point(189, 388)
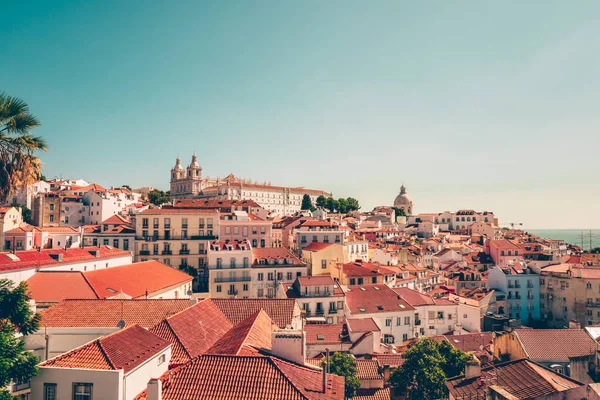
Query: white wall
point(108, 385)
point(20, 275)
point(137, 379)
point(62, 340)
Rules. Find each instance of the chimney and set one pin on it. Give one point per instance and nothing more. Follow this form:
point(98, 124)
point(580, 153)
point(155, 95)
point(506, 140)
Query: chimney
point(472, 369)
point(154, 389)
point(325, 367)
point(290, 345)
point(574, 324)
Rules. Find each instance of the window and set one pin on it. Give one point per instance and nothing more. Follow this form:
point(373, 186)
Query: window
point(280, 276)
point(323, 264)
point(232, 262)
point(262, 242)
point(261, 293)
point(398, 321)
point(406, 320)
point(261, 276)
point(51, 207)
point(161, 359)
point(227, 230)
point(245, 231)
point(374, 279)
point(352, 281)
point(245, 287)
point(388, 322)
point(219, 263)
point(254, 243)
point(52, 218)
point(167, 222)
point(404, 337)
point(219, 288)
point(82, 391)
point(360, 281)
point(289, 276)
point(49, 391)
point(388, 339)
point(116, 243)
point(125, 244)
point(270, 276)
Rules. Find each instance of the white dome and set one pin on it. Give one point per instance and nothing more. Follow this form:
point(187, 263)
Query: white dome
point(403, 200)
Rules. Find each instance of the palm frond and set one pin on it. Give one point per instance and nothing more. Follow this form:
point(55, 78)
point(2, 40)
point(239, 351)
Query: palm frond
point(11, 107)
point(21, 123)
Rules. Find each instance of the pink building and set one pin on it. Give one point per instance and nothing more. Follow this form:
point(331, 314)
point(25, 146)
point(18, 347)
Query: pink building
point(503, 252)
point(240, 225)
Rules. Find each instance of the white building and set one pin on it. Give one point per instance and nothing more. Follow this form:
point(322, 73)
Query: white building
point(114, 367)
point(103, 205)
point(189, 183)
point(394, 316)
point(10, 218)
point(24, 194)
point(22, 265)
point(319, 297)
point(318, 231)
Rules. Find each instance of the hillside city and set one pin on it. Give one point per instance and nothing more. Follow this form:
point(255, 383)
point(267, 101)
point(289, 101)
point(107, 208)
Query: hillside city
point(229, 288)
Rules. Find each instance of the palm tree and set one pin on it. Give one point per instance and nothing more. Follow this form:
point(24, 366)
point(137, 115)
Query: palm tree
point(18, 163)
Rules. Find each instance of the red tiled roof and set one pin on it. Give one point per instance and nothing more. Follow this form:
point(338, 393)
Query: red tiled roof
point(372, 394)
point(247, 377)
point(317, 280)
point(194, 330)
point(367, 369)
point(362, 325)
point(470, 342)
point(504, 244)
point(277, 253)
point(316, 223)
point(523, 379)
point(230, 245)
point(393, 360)
point(125, 349)
point(329, 334)
point(36, 259)
point(541, 344)
point(198, 203)
point(135, 279)
point(317, 246)
point(281, 311)
point(365, 269)
point(115, 220)
point(246, 337)
point(374, 299)
point(54, 286)
point(107, 313)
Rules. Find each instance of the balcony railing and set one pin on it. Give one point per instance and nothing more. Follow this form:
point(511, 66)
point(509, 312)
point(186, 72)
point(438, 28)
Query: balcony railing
point(417, 322)
point(152, 238)
point(332, 311)
point(186, 251)
point(167, 252)
point(204, 237)
point(232, 279)
point(144, 252)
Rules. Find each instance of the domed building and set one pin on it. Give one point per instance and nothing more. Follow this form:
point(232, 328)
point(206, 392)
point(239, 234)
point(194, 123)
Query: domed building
point(404, 202)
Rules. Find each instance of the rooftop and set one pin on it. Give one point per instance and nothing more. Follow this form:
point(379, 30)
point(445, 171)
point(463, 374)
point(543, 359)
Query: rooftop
point(523, 379)
point(541, 344)
point(125, 349)
point(281, 311)
point(107, 313)
point(368, 299)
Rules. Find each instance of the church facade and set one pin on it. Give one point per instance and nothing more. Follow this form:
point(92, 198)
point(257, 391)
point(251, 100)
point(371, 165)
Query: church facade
point(189, 183)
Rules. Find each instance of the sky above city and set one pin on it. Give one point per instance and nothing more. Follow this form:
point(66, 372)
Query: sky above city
point(484, 105)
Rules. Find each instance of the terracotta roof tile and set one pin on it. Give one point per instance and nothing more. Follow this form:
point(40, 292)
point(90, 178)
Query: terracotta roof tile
point(373, 299)
point(523, 379)
point(372, 394)
point(326, 334)
point(125, 349)
point(541, 344)
point(362, 325)
point(368, 369)
point(247, 377)
point(393, 360)
point(281, 311)
point(275, 253)
point(246, 337)
point(107, 313)
point(194, 330)
point(54, 286)
point(135, 279)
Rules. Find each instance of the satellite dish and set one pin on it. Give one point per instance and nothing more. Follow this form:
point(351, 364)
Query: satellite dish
point(121, 324)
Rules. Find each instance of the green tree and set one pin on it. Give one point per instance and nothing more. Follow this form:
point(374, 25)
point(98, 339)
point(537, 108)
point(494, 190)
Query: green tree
point(18, 162)
point(307, 203)
point(158, 197)
point(126, 187)
point(352, 204)
point(343, 206)
point(399, 212)
point(321, 201)
point(343, 364)
point(332, 204)
point(426, 366)
point(16, 364)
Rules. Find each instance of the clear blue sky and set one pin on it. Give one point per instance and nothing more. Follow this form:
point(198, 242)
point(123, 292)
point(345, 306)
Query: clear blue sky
point(472, 104)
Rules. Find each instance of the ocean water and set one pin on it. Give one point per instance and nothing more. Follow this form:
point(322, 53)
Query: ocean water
point(572, 236)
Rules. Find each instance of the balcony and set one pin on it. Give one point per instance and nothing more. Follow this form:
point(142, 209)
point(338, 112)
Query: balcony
point(186, 251)
point(417, 322)
point(204, 237)
point(144, 252)
point(184, 226)
point(226, 279)
point(331, 311)
point(155, 226)
point(167, 252)
point(232, 292)
point(530, 286)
